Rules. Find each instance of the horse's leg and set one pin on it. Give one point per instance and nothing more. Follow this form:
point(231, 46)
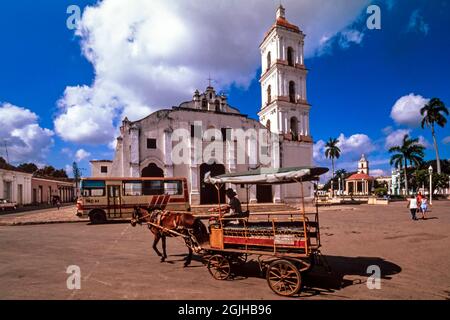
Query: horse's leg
point(188, 258)
point(155, 242)
point(163, 238)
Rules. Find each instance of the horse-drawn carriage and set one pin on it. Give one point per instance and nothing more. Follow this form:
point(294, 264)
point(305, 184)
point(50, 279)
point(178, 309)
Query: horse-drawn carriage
point(285, 243)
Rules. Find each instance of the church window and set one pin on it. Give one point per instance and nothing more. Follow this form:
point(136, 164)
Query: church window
point(294, 128)
point(269, 94)
point(104, 169)
point(269, 62)
point(268, 125)
point(204, 104)
point(290, 56)
point(151, 143)
point(291, 91)
point(217, 105)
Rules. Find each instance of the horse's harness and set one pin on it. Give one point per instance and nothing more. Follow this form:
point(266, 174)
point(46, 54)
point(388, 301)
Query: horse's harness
point(156, 218)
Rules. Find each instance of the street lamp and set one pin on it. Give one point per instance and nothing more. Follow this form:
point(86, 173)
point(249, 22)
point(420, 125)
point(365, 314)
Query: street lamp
point(430, 171)
point(340, 192)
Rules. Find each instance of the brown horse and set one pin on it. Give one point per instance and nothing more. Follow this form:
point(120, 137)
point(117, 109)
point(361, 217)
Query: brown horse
point(168, 224)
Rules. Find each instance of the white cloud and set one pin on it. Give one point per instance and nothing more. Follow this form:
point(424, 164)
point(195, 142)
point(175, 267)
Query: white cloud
point(81, 154)
point(69, 169)
point(347, 37)
point(318, 150)
point(446, 140)
point(152, 54)
point(355, 144)
point(395, 138)
point(406, 110)
point(377, 172)
point(417, 23)
point(25, 139)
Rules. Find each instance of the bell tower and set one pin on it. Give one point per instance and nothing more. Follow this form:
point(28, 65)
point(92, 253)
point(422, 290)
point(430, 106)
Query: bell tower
point(284, 108)
point(363, 165)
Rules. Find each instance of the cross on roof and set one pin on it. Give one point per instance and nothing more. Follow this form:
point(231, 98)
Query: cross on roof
point(209, 80)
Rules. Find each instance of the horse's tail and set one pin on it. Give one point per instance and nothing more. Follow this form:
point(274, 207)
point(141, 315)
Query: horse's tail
point(200, 231)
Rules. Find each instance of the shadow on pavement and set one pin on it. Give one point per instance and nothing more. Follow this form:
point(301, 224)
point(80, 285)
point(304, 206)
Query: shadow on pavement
point(319, 281)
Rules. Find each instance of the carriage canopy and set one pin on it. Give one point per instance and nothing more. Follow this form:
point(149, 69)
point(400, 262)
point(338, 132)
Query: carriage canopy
point(268, 176)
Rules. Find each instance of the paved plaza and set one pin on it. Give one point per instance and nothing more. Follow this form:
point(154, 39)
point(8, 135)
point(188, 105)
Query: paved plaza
point(117, 262)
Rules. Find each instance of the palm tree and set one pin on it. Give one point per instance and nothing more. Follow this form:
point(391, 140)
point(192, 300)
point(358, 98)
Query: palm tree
point(332, 152)
point(433, 113)
point(410, 151)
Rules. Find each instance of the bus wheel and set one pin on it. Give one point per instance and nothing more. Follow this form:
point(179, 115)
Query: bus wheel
point(97, 217)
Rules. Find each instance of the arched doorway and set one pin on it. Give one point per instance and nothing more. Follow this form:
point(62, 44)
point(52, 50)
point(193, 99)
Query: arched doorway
point(208, 192)
point(152, 170)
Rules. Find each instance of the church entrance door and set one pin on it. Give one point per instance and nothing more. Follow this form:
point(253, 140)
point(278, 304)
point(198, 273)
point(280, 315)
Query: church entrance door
point(208, 192)
point(264, 193)
point(152, 170)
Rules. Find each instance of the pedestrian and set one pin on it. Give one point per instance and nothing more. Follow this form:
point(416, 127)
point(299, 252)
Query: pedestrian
point(412, 205)
point(419, 201)
point(424, 208)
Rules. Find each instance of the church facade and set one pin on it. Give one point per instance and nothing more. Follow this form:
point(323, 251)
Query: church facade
point(206, 134)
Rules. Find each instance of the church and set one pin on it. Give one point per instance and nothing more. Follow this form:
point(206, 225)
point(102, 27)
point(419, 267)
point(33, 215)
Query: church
point(167, 142)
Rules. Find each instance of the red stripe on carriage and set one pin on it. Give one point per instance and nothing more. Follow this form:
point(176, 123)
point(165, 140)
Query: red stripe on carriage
point(261, 242)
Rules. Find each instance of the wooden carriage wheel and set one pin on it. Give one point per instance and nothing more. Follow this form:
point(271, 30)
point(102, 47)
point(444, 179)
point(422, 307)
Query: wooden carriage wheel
point(283, 278)
point(219, 267)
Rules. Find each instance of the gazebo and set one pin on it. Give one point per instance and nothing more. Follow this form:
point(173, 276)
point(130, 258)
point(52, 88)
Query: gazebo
point(359, 184)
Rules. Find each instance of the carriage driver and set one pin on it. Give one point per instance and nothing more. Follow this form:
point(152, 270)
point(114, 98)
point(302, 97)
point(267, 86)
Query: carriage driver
point(235, 209)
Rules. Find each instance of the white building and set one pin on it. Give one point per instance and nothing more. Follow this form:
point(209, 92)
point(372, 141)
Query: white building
point(15, 186)
point(228, 140)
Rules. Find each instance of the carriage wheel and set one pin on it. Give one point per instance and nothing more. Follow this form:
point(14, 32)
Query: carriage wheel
point(219, 267)
point(283, 278)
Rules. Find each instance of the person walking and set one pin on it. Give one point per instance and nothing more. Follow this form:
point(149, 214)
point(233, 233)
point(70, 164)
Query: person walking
point(412, 205)
point(424, 208)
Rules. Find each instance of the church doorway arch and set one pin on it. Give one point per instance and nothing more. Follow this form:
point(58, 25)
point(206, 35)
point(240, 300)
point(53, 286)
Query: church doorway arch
point(152, 170)
point(208, 192)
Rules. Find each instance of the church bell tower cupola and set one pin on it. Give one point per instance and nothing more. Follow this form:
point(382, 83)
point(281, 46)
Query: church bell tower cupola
point(284, 108)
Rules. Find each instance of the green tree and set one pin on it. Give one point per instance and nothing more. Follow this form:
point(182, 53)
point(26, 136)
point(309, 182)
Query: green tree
point(434, 112)
point(76, 174)
point(28, 167)
point(332, 152)
point(409, 151)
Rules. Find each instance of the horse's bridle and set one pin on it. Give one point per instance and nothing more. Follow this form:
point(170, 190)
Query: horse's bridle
point(137, 218)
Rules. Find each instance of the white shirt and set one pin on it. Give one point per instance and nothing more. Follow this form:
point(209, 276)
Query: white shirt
point(413, 203)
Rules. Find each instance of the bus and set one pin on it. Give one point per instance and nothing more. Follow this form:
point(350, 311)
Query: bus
point(105, 199)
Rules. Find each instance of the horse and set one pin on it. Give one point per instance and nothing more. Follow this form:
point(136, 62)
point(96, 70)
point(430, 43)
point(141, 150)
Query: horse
point(171, 223)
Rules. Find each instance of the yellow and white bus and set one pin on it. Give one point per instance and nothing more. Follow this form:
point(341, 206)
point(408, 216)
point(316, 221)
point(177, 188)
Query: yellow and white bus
point(105, 199)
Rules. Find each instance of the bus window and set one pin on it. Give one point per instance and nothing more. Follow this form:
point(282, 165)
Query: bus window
point(93, 188)
point(132, 188)
point(173, 187)
point(152, 187)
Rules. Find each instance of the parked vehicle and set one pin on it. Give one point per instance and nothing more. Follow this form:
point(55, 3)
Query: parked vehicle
point(6, 204)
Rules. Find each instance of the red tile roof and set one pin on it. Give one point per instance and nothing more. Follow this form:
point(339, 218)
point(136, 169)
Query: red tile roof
point(282, 22)
point(359, 176)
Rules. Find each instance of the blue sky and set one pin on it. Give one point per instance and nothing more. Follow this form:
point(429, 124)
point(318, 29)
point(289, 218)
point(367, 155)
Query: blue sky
point(352, 85)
